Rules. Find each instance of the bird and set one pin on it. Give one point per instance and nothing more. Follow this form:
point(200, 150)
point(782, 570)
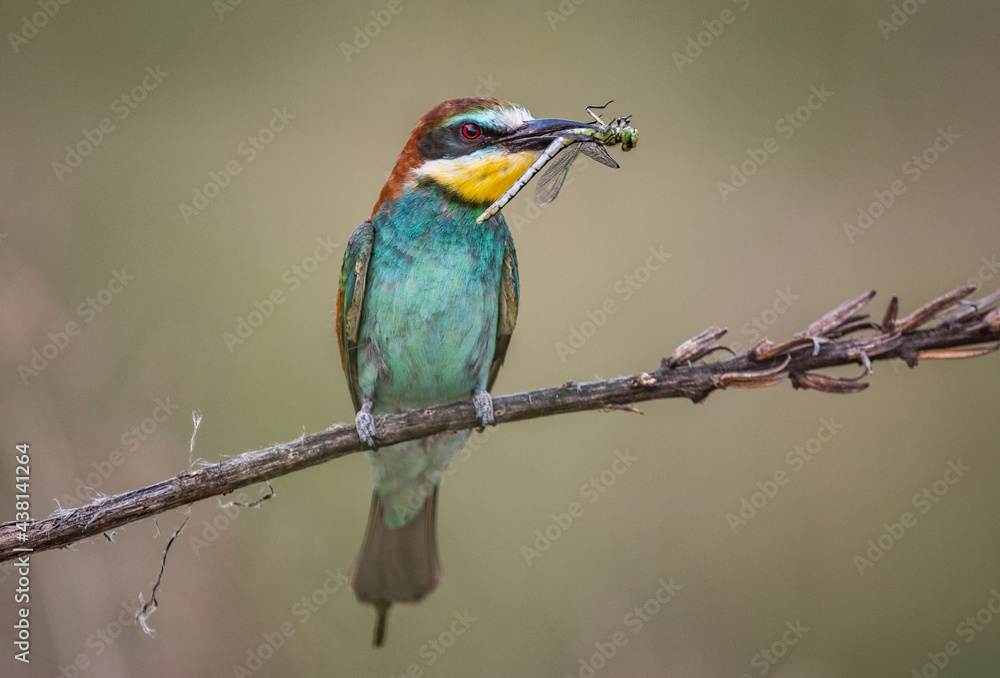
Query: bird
point(426, 306)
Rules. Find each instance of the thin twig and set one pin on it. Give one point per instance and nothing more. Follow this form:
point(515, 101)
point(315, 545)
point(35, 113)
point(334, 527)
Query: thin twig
point(148, 608)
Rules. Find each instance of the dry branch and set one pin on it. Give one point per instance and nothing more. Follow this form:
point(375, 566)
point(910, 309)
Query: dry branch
point(841, 337)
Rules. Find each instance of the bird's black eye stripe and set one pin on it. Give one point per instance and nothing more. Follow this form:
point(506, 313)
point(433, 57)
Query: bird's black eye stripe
point(456, 140)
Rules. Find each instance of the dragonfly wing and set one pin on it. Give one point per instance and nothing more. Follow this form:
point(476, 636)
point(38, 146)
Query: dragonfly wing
point(555, 174)
point(597, 152)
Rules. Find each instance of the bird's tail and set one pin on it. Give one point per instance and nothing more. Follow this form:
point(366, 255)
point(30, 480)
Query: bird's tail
point(396, 565)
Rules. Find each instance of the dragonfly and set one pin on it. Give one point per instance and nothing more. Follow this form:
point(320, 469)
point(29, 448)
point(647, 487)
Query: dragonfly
point(563, 150)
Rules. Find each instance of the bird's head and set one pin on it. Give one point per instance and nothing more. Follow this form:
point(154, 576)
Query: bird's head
point(474, 148)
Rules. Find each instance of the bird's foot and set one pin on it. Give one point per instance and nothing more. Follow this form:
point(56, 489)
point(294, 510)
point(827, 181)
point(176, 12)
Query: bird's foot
point(365, 423)
point(484, 408)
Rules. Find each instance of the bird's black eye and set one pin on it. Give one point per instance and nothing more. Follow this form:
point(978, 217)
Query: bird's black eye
point(470, 130)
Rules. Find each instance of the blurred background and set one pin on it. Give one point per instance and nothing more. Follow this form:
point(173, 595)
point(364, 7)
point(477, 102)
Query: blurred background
point(169, 168)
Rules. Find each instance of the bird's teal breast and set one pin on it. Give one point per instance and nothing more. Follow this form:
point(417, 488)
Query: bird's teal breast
point(428, 326)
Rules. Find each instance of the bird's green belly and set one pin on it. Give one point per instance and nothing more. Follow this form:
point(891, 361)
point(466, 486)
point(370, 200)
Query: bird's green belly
point(430, 321)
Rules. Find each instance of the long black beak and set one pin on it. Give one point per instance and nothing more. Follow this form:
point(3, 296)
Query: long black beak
point(536, 135)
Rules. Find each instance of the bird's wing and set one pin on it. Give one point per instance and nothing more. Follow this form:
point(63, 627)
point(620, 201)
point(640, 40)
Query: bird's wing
point(350, 298)
point(507, 316)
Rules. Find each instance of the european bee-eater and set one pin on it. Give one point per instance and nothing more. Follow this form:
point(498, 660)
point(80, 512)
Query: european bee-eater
point(427, 303)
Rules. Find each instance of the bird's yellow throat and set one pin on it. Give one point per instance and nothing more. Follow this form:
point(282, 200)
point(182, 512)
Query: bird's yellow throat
point(479, 179)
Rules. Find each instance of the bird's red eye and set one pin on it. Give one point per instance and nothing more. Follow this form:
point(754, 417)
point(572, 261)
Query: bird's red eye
point(470, 130)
